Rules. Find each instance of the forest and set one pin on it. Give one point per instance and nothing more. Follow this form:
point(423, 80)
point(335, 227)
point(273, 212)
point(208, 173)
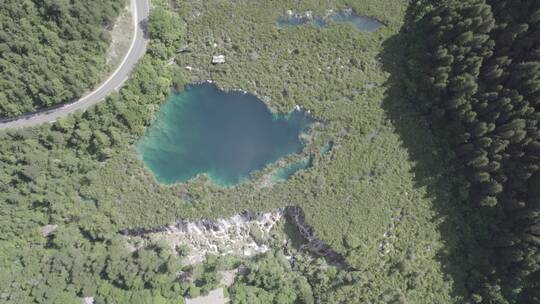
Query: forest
point(476, 75)
point(429, 190)
point(51, 52)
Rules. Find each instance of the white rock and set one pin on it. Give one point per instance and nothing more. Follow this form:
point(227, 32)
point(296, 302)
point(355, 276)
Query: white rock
point(87, 300)
point(48, 229)
point(218, 59)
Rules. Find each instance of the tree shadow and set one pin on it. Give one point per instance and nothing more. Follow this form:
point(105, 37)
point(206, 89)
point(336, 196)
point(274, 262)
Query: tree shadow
point(431, 159)
point(143, 26)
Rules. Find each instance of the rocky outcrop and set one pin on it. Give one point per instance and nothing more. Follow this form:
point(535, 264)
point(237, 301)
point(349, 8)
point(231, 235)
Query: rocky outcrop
point(87, 300)
point(218, 59)
point(312, 244)
point(245, 234)
point(48, 230)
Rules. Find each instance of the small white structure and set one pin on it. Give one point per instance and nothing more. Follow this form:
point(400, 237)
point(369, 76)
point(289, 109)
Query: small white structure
point(218, 59)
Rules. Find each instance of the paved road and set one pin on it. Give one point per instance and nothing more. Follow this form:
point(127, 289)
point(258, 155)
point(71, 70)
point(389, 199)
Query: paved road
point(141, 9)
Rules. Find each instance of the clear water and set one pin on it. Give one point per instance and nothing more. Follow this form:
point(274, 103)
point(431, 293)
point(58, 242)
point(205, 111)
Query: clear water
point(288, 171)
point(362, 23)
point(226, 135)
point(327, 147)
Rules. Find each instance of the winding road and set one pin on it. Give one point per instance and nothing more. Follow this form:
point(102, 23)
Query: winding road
point(141, 10)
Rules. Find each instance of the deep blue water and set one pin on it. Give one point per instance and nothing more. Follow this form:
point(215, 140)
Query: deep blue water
point(227, 135)
point(362, 23)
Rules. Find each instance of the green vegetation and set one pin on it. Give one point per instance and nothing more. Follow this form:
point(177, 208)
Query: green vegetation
point(290, 275)
point(51, 51)
point(83, 174)
point(388, 195)
point(271, 280)
point(476, 75)
point(121, 37)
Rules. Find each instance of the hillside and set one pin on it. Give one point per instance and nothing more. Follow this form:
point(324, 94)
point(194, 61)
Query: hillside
point(418, 179)
point(51, 52)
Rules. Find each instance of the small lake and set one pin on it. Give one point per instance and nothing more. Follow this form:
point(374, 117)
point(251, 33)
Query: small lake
point(362, 23)
point(226, 135)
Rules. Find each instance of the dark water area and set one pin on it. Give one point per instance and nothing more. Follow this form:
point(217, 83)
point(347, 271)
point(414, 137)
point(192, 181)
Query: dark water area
point(362, 23)
point(226, 135)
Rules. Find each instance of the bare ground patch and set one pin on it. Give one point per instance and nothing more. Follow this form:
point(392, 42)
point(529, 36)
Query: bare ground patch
point(121, 36)
point(215, 296)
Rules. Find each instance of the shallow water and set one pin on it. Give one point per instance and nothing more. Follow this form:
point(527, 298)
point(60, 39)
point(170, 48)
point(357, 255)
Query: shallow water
point(362, 23)
point(227, 135)
point(288, 171)
point(327, 147)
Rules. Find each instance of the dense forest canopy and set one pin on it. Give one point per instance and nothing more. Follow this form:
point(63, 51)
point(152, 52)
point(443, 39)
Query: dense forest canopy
point(470, 70)
point(476, 75)
point(51, 51)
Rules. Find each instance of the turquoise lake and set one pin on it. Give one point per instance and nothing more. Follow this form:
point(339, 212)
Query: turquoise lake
point(226, 135)
point(289, 170)
point(361, 23)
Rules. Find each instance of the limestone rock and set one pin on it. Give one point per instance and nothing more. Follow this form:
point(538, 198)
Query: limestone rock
point(218, 59)
point(48, 229)
point(87, 300)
